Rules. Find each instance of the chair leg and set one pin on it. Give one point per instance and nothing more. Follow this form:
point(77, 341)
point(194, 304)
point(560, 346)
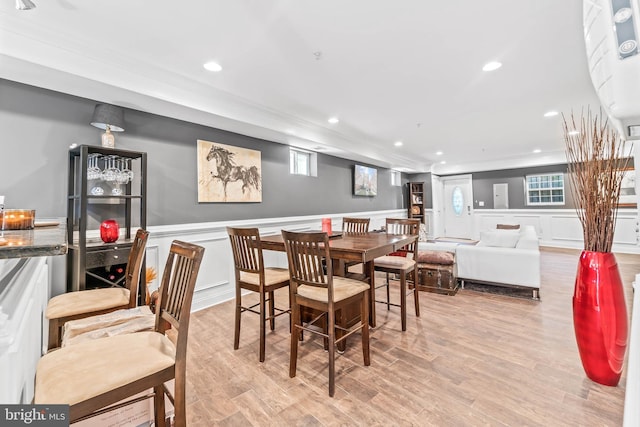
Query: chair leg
point(388, 286)
point(295, 337)
point(364, 315)
point(158, 404)
point(332, 351)
point(263, 320)
point(272, 312)
point(54, 334)
point(403, 300)
point(179, 401)
point(236, 334)
point(416, 293)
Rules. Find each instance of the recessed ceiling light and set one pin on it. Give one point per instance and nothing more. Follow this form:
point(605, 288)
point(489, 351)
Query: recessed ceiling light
point(551, 113)
point(573, 132)
point(491, 66)
point(443, 162)
point(213, 66)
point(439, 153)
point(333, 120)
point(537, 150)
point(398, 143)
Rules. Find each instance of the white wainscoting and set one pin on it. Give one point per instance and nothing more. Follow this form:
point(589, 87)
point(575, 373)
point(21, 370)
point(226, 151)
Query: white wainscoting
point(216, 277)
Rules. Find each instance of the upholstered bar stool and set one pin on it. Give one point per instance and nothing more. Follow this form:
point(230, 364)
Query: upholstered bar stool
point(316, 288)
point(92, 376)
point(403, 263)
point(91, 302)
point(252, 275)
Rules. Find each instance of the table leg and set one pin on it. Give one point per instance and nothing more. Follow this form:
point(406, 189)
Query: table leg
point(370, 268)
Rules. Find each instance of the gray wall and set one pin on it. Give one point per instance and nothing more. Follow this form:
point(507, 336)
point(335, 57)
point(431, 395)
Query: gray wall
point(483, 187)
point(39, 125)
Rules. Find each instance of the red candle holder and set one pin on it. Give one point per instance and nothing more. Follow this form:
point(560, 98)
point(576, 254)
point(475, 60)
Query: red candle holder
point(326, 225)
point(109, 230)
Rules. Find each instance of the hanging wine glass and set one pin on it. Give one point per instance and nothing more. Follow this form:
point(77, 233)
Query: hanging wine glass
point(94, 173)
point(127, 169)
point(122, 177)
point(111, 170)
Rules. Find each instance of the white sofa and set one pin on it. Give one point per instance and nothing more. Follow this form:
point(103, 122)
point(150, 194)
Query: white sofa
point(502, 257)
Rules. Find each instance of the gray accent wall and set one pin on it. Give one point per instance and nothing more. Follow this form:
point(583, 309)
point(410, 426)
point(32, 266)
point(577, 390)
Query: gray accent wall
point(39, 125)
point(483, 186)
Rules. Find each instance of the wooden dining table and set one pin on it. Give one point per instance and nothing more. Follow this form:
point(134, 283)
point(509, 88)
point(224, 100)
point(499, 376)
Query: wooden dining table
point(359, 247)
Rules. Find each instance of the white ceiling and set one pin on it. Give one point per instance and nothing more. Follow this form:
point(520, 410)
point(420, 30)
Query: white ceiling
point(407, 71)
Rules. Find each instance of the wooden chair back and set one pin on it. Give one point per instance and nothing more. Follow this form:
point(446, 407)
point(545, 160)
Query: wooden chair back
point(176, 291)
point(247, 251)
point(355, 225)
point(134, 265)
point(309, 260)
point(405, 226)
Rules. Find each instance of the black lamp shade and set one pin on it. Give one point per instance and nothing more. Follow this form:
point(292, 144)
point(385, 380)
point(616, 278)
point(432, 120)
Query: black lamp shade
point(108, 115)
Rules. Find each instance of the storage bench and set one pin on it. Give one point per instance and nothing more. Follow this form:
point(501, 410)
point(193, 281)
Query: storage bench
point(436, 272)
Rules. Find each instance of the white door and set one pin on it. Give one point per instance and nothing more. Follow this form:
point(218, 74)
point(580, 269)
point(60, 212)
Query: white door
point(458, 206)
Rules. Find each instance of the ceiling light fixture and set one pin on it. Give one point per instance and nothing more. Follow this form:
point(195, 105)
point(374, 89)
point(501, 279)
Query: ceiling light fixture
point(551, 114)
point(398, 143)
point(439, 153)
point(443, 162)
point(25, 5)
point(333, 120)
point(537, 150)
point(491, 66)
point(212, 66)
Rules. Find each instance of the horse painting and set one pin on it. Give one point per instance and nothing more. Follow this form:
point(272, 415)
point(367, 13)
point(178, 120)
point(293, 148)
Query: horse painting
point(221, 170)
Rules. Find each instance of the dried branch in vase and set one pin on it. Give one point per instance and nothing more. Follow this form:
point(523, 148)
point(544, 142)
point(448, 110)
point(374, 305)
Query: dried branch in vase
point(596, 155)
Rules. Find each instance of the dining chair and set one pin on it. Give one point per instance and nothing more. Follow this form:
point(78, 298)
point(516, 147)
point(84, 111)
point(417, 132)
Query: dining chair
point(354, 225)
point(403, 263)
point(77, 305)
point(92, 376)
point(318, 289)
point(252, 275)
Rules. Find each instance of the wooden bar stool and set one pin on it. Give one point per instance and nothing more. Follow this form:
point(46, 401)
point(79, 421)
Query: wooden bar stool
point(91, 302)
point(92, 376)
point(318, 290)
point(403, 263)
point(252, 275)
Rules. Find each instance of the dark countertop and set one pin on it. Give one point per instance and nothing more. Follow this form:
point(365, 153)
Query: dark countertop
point(41, 241)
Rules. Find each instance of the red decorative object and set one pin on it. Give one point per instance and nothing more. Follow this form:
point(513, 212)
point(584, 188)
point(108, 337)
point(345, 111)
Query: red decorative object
point(326, 225)
point(600, 317)
point(109, 230)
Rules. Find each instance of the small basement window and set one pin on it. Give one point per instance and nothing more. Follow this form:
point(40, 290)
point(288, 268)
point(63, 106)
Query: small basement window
point(303, 162)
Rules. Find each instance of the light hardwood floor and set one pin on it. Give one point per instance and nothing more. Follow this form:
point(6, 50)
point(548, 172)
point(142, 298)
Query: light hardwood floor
point(470, 359)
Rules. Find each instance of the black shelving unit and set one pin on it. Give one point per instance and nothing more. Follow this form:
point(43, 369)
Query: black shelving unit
point(415, 204)
point(91, 263)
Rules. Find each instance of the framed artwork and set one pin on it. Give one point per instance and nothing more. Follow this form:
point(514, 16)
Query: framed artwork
point(365, 181)
point(228, 174)
point(628, 197)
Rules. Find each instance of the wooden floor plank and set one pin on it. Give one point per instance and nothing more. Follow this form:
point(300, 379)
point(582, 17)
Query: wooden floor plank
point(470, 359)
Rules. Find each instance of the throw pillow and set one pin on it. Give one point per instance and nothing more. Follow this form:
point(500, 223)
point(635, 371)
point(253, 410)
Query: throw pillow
point(435, 257)
point(507, 226)
point(500, 238)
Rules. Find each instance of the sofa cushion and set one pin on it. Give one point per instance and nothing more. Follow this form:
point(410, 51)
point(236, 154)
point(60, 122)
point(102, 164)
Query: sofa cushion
point(499, 238)
point(507, 226)
point(435, 257)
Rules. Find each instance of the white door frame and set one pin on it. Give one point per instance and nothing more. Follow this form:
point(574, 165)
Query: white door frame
point(437, 185)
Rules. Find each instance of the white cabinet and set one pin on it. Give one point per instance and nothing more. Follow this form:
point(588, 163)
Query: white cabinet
point(24, 292)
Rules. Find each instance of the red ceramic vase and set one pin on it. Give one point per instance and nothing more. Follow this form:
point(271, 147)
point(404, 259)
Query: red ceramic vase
point(109, 230)
point(600, 317)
